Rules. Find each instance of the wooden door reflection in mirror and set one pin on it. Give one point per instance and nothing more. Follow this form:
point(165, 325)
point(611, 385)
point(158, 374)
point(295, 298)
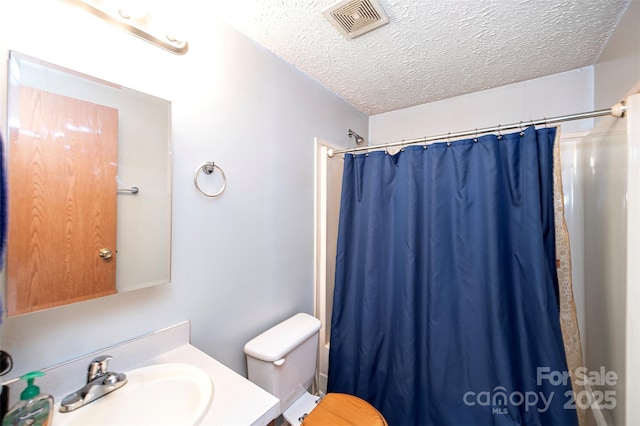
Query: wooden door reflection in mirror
point(63, 206)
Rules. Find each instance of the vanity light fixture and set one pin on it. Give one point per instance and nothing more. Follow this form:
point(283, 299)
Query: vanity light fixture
point(136, 21)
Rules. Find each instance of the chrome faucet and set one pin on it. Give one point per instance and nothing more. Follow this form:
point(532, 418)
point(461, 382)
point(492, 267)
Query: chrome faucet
point(100, 382)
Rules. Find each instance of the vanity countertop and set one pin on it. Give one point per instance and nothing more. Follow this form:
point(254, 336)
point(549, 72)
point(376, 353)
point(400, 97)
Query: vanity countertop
point(236, 400)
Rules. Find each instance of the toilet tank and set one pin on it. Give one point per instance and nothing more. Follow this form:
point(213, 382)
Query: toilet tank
point(282, 360)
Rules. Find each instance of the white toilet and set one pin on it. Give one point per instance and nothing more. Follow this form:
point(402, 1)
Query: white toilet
point(282, 361)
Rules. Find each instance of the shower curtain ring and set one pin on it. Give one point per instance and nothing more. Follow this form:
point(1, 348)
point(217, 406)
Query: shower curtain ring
point(424, 144)
point(545, 122)
point(475, 139)
point(499, 132)
point(521, 129)
point(402, 148)
point(449, 139)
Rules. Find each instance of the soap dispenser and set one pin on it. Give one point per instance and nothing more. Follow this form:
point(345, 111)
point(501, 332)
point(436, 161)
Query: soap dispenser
point(33, 409)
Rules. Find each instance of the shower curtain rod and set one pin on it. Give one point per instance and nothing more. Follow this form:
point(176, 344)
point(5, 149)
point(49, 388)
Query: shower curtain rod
point(617, 110)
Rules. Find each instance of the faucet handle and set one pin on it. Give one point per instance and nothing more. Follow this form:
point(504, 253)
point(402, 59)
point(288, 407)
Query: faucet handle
point(98, 367)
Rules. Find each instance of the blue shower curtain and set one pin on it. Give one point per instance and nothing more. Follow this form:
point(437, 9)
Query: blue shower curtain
point(445, 308)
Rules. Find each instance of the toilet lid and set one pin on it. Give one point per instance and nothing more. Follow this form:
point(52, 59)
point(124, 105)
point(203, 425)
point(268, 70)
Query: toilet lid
point(339, 409)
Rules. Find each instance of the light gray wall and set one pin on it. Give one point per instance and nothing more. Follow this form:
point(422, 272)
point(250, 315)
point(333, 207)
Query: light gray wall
point(558, 94)
point(242, 262)
point(617, 71)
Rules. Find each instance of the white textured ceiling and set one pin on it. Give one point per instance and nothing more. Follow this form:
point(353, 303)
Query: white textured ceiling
point(431, 49)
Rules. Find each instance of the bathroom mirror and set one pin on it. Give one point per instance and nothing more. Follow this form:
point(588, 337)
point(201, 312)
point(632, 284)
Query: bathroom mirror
point(89, 187)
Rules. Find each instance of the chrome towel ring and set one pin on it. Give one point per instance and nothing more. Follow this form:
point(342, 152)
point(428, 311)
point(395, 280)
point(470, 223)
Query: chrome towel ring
point(208, 167)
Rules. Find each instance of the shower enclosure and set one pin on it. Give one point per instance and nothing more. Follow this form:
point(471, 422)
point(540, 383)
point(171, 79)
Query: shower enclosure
point(601, 178)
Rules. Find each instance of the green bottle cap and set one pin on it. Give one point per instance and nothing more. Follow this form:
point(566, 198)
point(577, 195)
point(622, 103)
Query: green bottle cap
point(31, 390)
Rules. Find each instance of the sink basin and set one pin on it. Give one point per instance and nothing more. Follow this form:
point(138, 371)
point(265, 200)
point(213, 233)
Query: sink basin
point(161, 394)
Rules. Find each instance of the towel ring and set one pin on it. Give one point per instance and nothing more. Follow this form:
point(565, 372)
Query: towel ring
point(208, 167)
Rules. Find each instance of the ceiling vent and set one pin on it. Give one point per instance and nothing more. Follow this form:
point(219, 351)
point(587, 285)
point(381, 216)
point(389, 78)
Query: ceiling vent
point(356, 17)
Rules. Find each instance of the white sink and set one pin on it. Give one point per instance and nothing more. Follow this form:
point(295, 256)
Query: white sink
point(161, 394)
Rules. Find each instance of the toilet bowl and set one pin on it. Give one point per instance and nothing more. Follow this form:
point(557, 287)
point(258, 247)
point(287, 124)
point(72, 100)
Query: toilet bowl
point(282, 361)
